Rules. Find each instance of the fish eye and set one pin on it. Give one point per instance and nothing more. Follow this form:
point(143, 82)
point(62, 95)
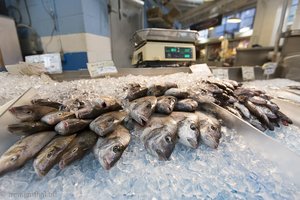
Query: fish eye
point(213, 128)
point(74, 150)
point(148, 105)
point(28, 112)
point(116, 149)
point(14, 158)
point(168, 139)
point(59, 114)
point(103, 105)
point(193, 127)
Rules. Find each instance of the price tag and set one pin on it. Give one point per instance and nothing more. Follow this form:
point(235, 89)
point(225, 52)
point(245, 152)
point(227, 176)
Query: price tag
point(269, 68)
point(248, 73)
point(102, 68)
point(201, 69)
point(220, 73)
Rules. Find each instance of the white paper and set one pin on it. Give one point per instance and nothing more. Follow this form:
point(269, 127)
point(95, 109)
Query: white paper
point(220, 73)
point(248, 73)
point(52, 62)
point(201, 69)
point(102, 68)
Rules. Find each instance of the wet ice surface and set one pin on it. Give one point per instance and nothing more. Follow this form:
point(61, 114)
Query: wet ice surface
point(232, 171)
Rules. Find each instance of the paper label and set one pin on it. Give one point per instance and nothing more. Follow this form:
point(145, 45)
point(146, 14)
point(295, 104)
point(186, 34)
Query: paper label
point(52, 62)
point(102, 68)
point(220, 73)
point(269, 68)
point(201, 69)
point(248, 73)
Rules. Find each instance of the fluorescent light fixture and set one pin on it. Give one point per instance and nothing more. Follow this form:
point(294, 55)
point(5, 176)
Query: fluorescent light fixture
point(211, 28)
point(234, 20)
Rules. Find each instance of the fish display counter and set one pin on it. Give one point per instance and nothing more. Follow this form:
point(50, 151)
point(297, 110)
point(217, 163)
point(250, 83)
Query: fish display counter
point(137, 137)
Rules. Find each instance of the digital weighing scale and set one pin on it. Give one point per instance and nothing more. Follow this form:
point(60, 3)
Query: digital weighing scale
point(164, 47)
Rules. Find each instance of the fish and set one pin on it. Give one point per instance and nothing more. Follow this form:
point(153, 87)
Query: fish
point(259, 113)
point(69, 126)
point(258, 100)
point(50, 154)
point(244, 91)
point(285, 120)
point(212, 88)
point(159, 136)
point(136, 91)
point(256, 123)
point(56, 117)
point(210, 129)
point(48, 102)
point(28, 128)
point(106, 123)
point(177, 92)
point(202, 99)
point(31, 112)
point(159, 90)
point(108, 150)
point(141, 109)
point(79, 146)
point(217, 83)
point(187, 105)
point(267, 112)
point(243, 110)
point(97, 107)
point(272, 106)
point(234, 111)
point(23, 150)
point(165, 104)
point(234, 83)
point(188, 130)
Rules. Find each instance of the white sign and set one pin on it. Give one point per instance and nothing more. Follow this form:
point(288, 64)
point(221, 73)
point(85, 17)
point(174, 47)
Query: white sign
point(248, 73)
point(220, 73)
point(201, 69)
point(269, 68)
point(52, 62)
point(102, 68)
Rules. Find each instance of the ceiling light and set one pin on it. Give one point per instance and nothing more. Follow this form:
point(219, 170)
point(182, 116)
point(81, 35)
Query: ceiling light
point(234, 20)
point(211, 28)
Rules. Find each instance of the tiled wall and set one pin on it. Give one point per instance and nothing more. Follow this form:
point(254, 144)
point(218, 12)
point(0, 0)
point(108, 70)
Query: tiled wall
point(83, 29)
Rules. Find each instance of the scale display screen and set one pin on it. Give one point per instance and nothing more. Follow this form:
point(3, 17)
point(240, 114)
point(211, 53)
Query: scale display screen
point(178, 52)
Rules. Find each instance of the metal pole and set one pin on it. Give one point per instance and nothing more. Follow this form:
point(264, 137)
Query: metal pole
point(279, 31)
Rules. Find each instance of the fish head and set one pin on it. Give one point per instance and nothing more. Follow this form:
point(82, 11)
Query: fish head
point(109, 151)
point(161, 143)
point(210, 133)
point(11, 159)
point(188, 133)
point(41, 168)
point(52, 118)
point(73, 152)
point(143, 112)
point(107, 123)
point(20, 127)
point(24, 113)
point(62, 127)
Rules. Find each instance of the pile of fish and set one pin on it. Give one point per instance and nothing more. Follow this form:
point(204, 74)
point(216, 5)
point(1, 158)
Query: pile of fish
point(161, 115)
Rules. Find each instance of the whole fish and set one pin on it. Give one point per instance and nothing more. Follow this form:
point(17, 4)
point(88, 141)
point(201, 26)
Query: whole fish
point(159, 90)
point(48, 102)
point(97, 107)
point(267, 112)
point(108, 150)
point(234, 111)
point(28, 128)
point(212, 88)
point(56, 117)
point(256, 123)
point(160, 136)
point(283, 118)
point(78, 147)
point(210, 129)
point(272, 106)
point(69, 126)
point(22, 151)
point(31, 112)
point(177, 92)
point(234, 83)
point(136, 91)
point(243, 110)
point(259, 113)
point(141, 109)
point(165, 104)
point(107, 122)
point(187, 105)
point(188, 130)
point(50, 154)
point(258, 100)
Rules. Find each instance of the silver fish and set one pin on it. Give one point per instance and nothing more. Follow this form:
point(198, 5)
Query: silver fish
point(107, 122)
point(79, 146)
point(210, 129)
point(31, 112)
point(136, 91)
point(160, 136)
point(56, 117)
point(108, 150)
point(69, 126)
point(234, 111)
point(50, 154)
point(141, 109)
point(188, 130)
point(28, 128)
point(187, 105)
point(165, 104)
point(159, 90)
point(22, 151)
point(243, 109)
point(177, 92)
